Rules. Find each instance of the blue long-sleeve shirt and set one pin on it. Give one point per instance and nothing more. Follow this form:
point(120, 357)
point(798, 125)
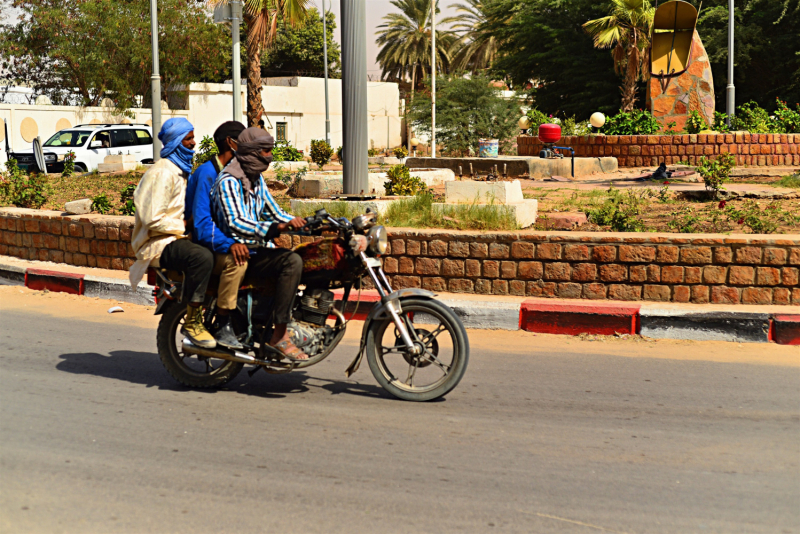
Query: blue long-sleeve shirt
point(199, 209)
point(249, 217)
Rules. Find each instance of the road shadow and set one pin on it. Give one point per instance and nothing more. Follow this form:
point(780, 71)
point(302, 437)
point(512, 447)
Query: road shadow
point(145, 368)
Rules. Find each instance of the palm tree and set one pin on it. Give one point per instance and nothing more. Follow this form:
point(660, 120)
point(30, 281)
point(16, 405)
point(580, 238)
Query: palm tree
point(261, 18)
point(405, 42)
point(477, 47)
point(627, 29)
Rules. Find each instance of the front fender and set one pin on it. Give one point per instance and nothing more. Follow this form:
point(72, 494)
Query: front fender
point(379, 312)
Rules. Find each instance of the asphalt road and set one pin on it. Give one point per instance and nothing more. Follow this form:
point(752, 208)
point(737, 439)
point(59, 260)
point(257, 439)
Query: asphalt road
point(544, 434)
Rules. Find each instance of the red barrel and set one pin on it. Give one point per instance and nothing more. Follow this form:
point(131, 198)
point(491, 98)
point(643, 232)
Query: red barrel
point(549, 133)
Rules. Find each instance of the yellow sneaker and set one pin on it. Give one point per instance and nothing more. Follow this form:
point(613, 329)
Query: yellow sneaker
point(194, 329)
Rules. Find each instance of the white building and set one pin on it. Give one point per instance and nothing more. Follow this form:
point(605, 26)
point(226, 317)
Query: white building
point(294, 111)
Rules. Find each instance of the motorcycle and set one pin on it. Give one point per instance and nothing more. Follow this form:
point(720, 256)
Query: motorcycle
point(416, 347)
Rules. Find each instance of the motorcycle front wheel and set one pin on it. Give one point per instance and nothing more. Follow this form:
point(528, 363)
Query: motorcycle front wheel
point(189, 369)
point(443, 358)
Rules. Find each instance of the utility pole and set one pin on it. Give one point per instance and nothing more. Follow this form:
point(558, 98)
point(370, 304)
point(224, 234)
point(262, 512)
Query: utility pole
point(433, 78)
point(236, 20)
point(325, 53)
point(354, 96)
point(155, 83)
point(730, 107)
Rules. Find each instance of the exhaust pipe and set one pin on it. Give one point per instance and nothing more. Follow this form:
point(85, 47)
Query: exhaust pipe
point(234, 356)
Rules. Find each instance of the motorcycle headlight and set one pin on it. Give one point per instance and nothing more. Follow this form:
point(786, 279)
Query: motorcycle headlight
point(378, 240)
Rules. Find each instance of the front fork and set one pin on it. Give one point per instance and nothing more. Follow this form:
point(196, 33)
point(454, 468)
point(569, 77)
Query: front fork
point(381, 283)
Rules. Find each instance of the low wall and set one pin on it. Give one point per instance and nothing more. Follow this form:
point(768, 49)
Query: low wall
point(652, 150)
point(703, 268)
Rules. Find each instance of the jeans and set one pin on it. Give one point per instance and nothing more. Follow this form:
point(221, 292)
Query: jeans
point(286, 268)
point(195, 262)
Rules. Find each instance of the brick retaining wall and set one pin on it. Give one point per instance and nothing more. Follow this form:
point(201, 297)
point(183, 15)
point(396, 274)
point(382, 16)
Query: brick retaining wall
point(748, 269)
point(652, 150)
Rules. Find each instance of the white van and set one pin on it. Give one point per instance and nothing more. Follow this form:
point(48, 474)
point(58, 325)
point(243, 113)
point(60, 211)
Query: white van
point(91, 143)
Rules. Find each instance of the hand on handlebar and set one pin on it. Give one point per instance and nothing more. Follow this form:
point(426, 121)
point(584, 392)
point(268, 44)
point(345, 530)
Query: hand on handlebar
point(294, 224)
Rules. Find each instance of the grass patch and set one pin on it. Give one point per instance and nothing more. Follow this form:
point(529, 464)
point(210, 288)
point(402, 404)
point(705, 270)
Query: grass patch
point(791, 181)
point(418, 212)
point(349, 210)
point(92, 185)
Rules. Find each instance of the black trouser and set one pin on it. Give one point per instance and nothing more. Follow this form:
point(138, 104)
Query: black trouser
point(195, 262)
point(286, 268)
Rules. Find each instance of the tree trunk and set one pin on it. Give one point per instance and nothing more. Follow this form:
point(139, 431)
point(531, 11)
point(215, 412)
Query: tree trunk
point(255, 110)
point(628, 88)
point(408, 107)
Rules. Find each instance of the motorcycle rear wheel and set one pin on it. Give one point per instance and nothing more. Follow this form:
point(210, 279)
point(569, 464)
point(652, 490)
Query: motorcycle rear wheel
point(189, 369)
point(441, 365)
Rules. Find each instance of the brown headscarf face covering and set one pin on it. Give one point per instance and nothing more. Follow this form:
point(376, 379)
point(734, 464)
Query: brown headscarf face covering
point(248, 162)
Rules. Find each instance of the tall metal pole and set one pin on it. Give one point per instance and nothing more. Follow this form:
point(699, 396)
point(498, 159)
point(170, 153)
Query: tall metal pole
point(354, 96)
point(730, 90)
point(155, 83)
point(433, 78)
point(325, 54)
point(236, 20)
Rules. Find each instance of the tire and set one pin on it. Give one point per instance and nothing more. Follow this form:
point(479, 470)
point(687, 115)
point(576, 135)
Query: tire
point(80, 167)
point(451, 368)
point(191, 373)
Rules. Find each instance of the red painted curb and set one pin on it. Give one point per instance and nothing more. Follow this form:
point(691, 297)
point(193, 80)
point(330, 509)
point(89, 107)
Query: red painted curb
point(40, 279)
point(786, 329)
point(368, 299)
point(571, 319)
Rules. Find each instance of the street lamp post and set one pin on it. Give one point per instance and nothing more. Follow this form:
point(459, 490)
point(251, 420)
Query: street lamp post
point(433, 78)
point(155, 83)
point(325, 54)
point(730, 107)
point(236, 19)
point(354, 97)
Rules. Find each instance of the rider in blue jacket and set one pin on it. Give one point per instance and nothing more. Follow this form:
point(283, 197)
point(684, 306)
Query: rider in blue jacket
point(230, 257)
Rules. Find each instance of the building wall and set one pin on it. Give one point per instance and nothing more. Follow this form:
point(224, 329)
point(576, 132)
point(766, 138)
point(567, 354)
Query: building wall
point(300, 102)
point(721, 269)
point(651, 150)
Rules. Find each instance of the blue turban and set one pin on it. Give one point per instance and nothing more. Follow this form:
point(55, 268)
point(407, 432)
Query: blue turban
point(171, 135)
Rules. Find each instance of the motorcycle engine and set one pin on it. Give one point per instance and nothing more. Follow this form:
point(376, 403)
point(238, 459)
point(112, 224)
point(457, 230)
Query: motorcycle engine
point(308, 329)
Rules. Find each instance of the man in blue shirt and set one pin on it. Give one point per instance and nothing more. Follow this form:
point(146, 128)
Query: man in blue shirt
point(230, 257)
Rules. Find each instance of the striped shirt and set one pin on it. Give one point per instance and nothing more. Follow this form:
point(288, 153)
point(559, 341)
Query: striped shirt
point(246, 216)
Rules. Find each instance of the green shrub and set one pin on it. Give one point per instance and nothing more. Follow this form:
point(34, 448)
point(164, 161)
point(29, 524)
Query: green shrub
point(284, 151)
point(69, 164)
point(205, 152)
point(751, 216)
point(399, 152)
point(402, 183)
point(719, 122)
point(321, 152)
point(786, 120)
point(340, 155)
point(101, 203)
point(373, 152)
point(536, 118)
point(126, 199)
point(716, 172)
point(695, 123)
point(637, 122)
point(21, 189)
point(620, 211)
point(752, 118)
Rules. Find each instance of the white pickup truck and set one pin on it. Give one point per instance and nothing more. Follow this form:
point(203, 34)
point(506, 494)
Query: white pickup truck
point(91, 143)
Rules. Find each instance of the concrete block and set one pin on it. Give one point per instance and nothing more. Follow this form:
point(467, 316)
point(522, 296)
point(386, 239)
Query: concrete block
point(670, 323)
point(529, 166)
point(118, 163)
point(470, 191)
point(525, 211)
point(327, 183)
point(786, 329)
point(291, 166)
point(310, 205)
point(79, 207)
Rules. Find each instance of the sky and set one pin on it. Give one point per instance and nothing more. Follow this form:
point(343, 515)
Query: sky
point(376, 9)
